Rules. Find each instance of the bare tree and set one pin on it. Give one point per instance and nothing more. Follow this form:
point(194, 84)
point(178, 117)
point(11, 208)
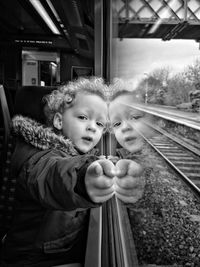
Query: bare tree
point(192, 73)
point(165, 88)
point(178, 90)
point(162, 74)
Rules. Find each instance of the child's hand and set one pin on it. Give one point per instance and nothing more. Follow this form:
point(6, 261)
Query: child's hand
point(129, 184)
point(99, 180)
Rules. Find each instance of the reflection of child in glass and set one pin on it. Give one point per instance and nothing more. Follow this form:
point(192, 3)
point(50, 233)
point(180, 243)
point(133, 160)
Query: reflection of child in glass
point(59, 177)
point(124, 121)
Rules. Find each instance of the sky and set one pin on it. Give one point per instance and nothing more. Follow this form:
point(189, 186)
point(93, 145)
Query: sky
point(134, 57)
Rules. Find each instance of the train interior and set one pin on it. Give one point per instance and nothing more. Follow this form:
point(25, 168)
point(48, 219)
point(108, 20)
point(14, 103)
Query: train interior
point(44, 44)
point(35, 56)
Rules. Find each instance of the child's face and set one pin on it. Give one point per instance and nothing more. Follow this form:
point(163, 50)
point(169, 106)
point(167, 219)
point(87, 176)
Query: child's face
point(85, 121)
point(124, 120)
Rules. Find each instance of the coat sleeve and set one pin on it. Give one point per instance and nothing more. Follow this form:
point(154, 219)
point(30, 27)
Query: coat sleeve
point(57, 182)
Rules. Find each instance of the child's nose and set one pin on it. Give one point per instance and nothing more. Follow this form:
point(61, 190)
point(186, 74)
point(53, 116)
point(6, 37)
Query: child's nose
point(126, 127)
point(91, 126)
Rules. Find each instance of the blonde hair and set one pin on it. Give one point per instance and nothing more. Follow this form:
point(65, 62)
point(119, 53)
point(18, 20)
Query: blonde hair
point(64, 97)
point(119, 87)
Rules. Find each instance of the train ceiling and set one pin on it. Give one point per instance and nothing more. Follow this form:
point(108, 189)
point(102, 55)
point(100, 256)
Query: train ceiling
point(71, 28)
point(73, 22)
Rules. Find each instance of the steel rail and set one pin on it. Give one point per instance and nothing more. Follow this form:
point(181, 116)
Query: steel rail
point(185, 144)
point(186, 177)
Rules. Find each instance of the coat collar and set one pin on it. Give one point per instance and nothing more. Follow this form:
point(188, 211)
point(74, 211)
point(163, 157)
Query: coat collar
point(36, 134)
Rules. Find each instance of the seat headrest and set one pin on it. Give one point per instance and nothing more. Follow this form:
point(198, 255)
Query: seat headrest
point(28, 101)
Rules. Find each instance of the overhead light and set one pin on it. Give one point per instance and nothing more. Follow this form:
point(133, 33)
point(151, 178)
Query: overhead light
point(42, 12)
point(53, 10)
point(57, 17)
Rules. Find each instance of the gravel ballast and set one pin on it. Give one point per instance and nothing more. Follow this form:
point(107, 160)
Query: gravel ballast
point(166, 221)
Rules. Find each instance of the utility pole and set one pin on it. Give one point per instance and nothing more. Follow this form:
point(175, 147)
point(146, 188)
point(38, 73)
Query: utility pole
point(146, 88)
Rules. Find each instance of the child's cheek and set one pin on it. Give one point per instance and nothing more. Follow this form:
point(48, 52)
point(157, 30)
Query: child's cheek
point(118, 136)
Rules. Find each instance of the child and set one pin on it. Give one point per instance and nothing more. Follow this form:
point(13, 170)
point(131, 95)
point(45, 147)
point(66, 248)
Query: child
point(124, 122)
point(59, 177)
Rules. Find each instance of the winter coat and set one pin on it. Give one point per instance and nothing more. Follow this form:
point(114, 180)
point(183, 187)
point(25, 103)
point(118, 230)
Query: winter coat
point(51, 206)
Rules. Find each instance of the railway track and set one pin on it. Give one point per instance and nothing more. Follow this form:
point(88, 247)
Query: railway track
point(184, 158)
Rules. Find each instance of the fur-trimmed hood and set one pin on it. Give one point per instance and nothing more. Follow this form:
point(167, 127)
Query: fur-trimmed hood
point(36, 134)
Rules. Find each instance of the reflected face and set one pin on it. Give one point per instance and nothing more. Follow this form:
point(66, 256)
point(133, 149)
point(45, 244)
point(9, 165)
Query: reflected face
point(85, 121)
point(124, 122)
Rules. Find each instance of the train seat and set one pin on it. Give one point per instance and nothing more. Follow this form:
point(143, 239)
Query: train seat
point(28, 101)
point(6, 149)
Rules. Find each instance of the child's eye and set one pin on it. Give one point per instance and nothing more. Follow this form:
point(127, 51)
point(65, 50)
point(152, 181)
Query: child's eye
point(117, 124)
point(82, 117)
point(135, 117)
point(100, 124)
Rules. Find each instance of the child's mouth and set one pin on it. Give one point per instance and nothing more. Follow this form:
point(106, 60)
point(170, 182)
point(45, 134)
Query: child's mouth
point(130, 139)
point(87, 139)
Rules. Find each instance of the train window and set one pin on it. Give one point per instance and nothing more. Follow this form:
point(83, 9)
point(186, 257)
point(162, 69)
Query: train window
point(156, 59)
point(47, 73)
point(40, 68)
point(158, 72)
